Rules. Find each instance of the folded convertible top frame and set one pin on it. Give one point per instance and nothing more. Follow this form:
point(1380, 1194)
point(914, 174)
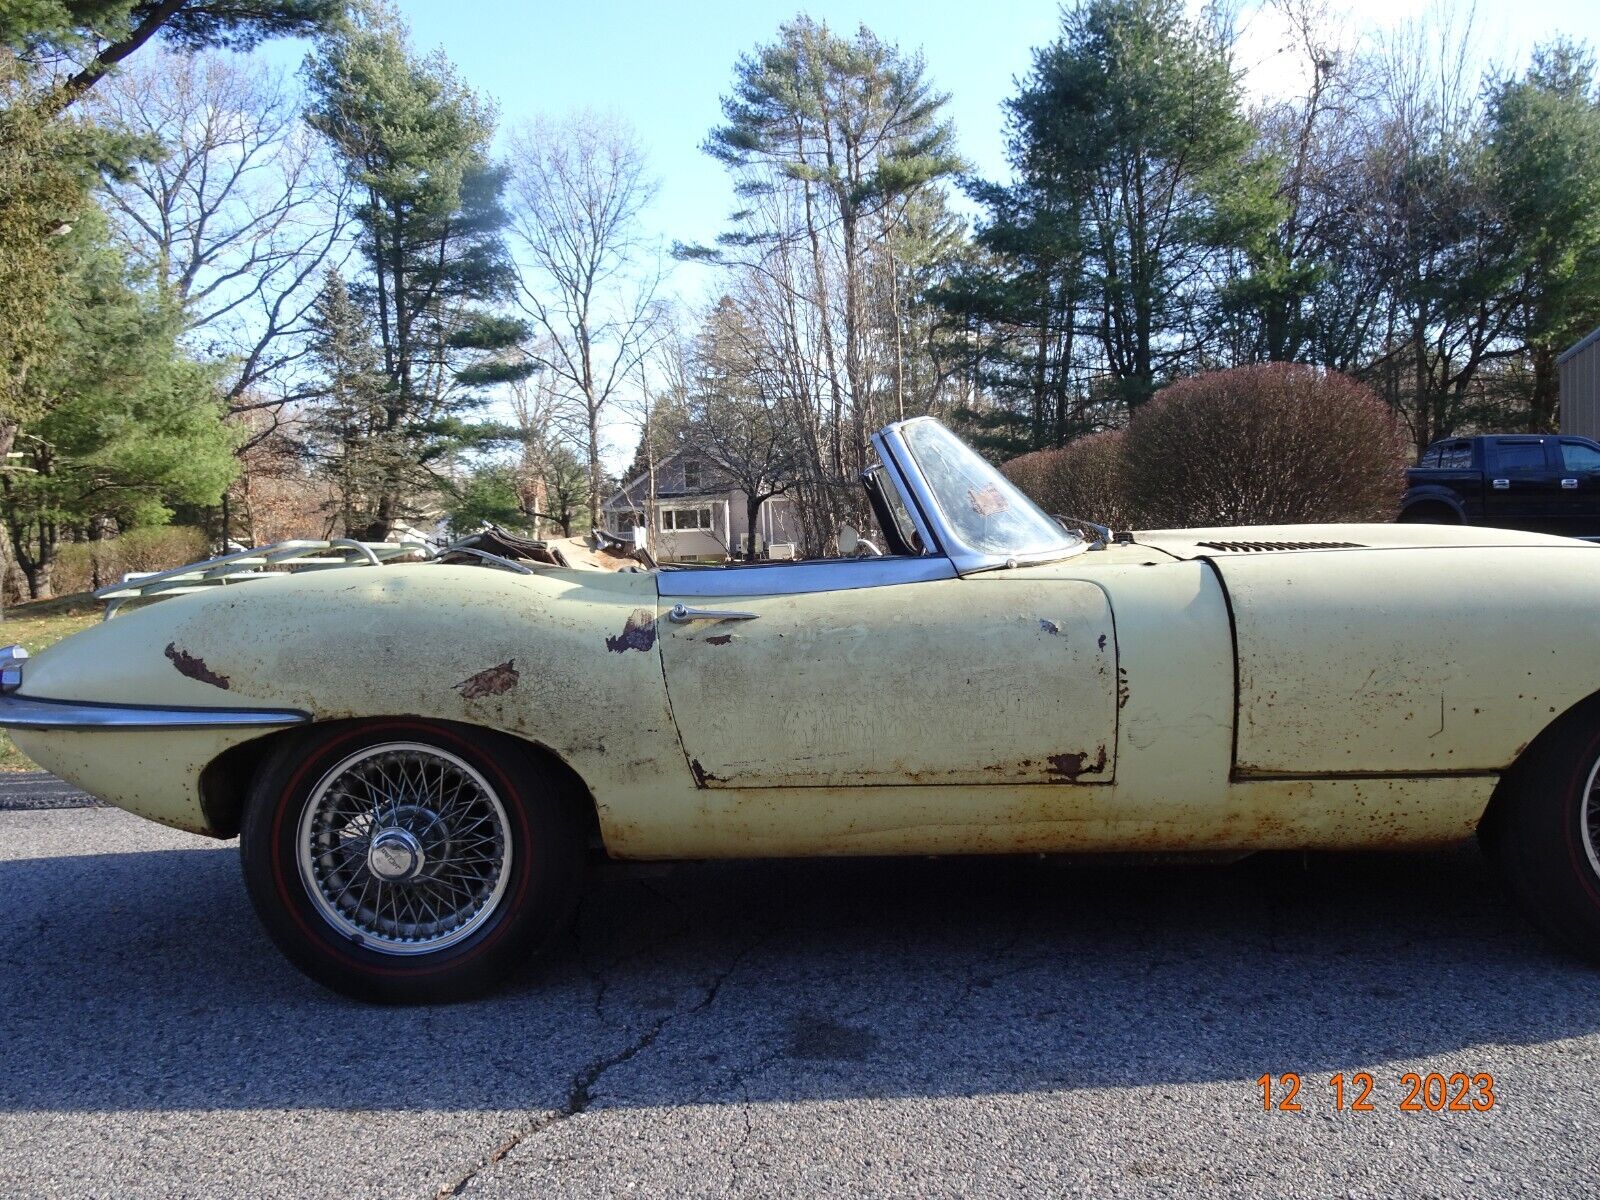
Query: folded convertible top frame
point(299, 555)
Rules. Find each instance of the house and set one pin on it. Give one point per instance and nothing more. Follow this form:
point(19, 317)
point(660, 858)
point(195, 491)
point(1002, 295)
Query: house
point(700, 514)
point(1580, 387)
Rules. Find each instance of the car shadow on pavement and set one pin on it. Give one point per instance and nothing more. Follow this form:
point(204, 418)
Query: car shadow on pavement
point(141, 980)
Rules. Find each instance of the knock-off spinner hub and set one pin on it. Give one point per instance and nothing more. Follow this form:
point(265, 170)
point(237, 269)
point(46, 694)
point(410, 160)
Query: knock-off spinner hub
point(395, 856)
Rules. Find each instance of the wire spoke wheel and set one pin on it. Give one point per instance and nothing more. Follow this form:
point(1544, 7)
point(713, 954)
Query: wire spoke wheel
point(403, 848)
point(1589, 819)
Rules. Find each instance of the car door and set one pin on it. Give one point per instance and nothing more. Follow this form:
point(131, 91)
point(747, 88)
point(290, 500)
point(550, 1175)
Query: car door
point(1523, 489)
point(888, 671)
point(1580, 487)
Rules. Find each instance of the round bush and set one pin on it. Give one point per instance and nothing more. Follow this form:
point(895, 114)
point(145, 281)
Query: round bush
point(1082, 479)
point(1260, 445)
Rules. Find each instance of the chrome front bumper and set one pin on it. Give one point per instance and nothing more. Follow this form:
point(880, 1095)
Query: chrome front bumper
point(27, 712)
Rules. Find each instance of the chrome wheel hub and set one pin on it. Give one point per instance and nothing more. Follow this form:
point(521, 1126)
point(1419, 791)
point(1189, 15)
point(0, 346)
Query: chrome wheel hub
point(403, 848)
point(395, 855)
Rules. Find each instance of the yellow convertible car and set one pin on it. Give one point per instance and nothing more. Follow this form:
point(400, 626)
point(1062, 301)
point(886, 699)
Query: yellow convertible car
point(417, 757)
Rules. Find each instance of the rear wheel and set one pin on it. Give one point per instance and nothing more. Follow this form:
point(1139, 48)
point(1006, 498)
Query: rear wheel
point(404, 861)
point(1543, 833)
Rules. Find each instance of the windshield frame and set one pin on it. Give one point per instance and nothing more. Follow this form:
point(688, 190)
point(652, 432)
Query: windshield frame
point(925, 508)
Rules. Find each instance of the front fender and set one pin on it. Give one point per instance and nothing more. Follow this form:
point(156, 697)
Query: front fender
point(564, 659)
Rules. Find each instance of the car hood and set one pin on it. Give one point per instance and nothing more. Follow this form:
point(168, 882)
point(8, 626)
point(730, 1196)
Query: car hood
point(1266, 539)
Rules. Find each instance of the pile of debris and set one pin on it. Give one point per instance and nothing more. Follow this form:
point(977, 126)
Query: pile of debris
point(597, 550)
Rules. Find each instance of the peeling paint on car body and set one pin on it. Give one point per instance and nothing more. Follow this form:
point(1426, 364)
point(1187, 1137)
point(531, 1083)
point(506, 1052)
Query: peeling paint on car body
point(194, 668)
point(491, 681)
point(1071, 766)
point(638, 633)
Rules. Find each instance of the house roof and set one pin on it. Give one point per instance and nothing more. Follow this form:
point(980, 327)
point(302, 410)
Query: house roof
point(1578, 347)
point(625, 499)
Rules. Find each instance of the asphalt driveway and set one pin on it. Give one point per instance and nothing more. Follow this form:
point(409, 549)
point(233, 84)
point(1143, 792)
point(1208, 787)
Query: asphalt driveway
point(919, 1027)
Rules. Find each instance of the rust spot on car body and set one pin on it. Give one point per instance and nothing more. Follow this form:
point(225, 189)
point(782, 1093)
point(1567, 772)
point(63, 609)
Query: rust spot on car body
point(1070, 766)
point(491, 681)
point(702, 777)
point(639, 633)
point(195, 668)
point(1122, 687)
point(722, 639)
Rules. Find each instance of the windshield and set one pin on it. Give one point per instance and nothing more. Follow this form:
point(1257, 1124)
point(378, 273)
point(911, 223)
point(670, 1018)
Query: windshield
point(983, 508)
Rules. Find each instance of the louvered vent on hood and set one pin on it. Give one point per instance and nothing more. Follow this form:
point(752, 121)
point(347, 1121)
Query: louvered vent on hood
point(1262, 547)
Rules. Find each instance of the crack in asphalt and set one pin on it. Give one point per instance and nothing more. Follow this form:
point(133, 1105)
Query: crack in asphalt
point(580, 1094)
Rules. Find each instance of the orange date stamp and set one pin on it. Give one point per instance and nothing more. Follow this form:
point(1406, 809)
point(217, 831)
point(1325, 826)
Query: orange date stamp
point(1457, 1092)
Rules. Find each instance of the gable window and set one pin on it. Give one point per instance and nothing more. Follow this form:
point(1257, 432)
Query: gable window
point(682, 519)
point(691, 476)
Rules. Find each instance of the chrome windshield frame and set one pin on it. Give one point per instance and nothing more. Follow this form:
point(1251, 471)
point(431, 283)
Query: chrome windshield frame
point(895, 451)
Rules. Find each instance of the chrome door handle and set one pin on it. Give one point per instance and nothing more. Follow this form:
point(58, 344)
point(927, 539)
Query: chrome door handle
point(1569, 483)
point(682, 614)
point(1502, 484)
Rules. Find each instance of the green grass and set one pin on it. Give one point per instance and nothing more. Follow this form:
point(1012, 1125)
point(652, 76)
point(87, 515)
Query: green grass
point(35, 626)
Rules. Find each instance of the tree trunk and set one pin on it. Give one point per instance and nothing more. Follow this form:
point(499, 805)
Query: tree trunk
point(752, 509)
point(38, 575)
point(8, 438)
point(1546, 391)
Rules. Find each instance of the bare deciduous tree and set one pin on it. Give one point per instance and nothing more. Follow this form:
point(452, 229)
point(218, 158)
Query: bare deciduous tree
point(550, 482)
point(736, 420)
point(236, 221)
point(578, 189)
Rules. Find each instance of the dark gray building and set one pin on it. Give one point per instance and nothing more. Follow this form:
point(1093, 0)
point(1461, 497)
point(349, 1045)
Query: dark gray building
point(1580, 387)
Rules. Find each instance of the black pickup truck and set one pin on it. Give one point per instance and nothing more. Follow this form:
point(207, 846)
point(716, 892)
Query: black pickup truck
point(1546, 484)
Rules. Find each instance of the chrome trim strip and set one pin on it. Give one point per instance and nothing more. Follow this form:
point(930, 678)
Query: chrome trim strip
point(793, 579)
point(894, 460)
point(26, 712)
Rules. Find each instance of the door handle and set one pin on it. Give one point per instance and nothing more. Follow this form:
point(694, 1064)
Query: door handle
point(1569, 484)
point(682, 614)
point(1501, 485)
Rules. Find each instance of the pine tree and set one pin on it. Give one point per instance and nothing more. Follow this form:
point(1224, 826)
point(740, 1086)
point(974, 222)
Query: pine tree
point(414, 141)
point(129, 427)
point(1134, 120)
point(348, 414)
point(1544, 158)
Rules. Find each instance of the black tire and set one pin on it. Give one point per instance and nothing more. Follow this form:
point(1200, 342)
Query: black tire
point(1534, 833)
point(537, 833)
point(1430, 514)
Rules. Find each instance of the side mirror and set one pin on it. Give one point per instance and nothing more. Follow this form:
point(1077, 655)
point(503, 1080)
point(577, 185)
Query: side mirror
point(849, 540)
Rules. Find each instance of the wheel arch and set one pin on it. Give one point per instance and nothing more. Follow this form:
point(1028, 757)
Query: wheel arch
point(1430, 499)
point(1585, 711)
point(226, 780)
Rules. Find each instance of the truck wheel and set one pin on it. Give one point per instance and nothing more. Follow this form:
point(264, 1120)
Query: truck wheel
point(1543, 833)
point(404, 861)
point(1430, 514)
